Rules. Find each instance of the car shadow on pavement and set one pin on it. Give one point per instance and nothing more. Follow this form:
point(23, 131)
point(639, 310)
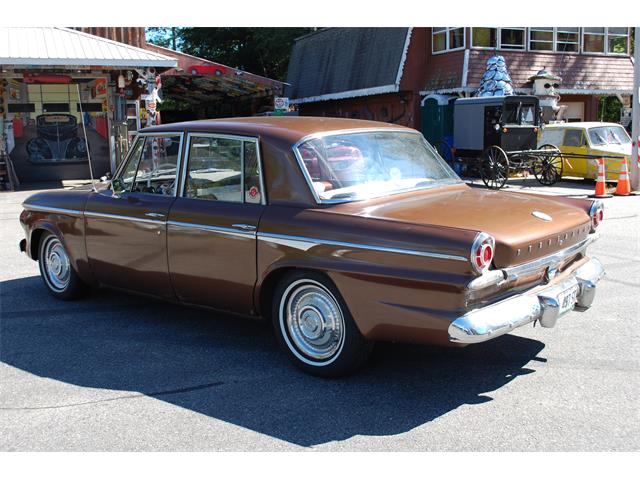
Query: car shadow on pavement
point(230, 368)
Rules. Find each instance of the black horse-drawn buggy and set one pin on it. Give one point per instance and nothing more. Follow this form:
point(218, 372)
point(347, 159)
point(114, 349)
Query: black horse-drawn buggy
point(494, 136)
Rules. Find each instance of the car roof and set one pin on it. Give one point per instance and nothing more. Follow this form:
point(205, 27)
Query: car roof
point(288, 128)
point(582, 125)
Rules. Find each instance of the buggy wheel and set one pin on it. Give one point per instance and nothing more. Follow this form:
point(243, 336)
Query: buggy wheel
point(494, 167)
point(445, 151)
point(549, 167)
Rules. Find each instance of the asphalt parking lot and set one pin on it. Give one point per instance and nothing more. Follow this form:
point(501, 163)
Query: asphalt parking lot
point(119, 372)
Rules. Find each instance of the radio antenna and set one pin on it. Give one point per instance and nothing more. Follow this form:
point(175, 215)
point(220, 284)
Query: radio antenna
point(86, 141)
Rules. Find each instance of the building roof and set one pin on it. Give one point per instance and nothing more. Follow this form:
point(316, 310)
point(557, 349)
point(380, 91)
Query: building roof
point(44, 46)
point(581, 74)
point(462, 71)
point(213, 84)
point(336, 63)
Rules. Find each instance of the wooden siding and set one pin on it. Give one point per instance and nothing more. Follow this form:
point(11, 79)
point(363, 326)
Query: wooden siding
point(401, 108)
point(578, 72)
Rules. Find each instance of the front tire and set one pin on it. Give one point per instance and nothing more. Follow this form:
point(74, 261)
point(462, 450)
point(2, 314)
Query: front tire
point(315, 328)
point(55, 268)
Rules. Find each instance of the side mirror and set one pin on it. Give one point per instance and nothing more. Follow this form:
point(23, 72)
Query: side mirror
point(116, 186)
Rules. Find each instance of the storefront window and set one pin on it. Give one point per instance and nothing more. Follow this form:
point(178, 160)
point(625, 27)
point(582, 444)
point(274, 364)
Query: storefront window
point(512, 38)
point(439, 39)
point(593, 41)
point(484, 37)
point(568, 39)
point(456, 38)
point(447, 38)
point(618, 40)
point(541, 38)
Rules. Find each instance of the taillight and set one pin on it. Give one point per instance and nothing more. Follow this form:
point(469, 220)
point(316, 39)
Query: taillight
point(596, 212)
point(482, 252)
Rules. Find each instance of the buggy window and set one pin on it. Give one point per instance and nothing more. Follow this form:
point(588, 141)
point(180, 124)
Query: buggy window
point(510, 115)
point(519, 113)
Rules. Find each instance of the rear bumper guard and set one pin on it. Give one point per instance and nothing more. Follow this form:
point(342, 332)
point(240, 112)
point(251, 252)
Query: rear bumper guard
point(545, 305)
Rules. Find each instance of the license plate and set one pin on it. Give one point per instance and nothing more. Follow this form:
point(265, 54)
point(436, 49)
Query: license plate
point(568, 298)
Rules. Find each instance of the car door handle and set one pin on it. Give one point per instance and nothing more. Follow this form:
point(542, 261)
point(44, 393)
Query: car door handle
point(243, 226)
point(155, 215)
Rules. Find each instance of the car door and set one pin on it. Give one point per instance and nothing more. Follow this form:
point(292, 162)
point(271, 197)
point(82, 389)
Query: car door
point(575, 142)
point(126, 225)
point(213, 223)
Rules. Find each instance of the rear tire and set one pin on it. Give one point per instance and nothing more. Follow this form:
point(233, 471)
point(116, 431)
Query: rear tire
point(315, 328)
point(55, 268)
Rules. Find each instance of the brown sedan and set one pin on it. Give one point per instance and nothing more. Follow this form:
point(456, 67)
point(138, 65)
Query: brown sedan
point(343, 232)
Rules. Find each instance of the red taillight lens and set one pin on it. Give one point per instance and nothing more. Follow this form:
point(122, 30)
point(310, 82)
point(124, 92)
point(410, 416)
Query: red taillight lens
point(597, 214)
point(482, 252)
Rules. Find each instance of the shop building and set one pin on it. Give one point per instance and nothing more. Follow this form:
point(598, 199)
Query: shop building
point(395, 74)
point(58, 84)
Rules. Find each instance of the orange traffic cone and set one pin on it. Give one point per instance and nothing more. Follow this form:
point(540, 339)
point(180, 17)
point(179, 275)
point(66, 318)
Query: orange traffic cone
point(624, 186)
point(601, 182)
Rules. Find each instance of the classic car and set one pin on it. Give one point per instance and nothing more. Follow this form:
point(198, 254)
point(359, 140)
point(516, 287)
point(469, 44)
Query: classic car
point(225, 214)
point(581, 140)
point(57, 140)
point(212, 70)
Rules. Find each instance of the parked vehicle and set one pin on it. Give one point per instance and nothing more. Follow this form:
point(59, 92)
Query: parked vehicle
point(57, 140)
point(210, 70)
point(231, 214)
point(498, 135)
point(581, 143)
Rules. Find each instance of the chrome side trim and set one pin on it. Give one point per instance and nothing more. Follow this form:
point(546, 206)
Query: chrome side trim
point(41, 208)
point(305, 243)
point(512, 273)
point(212, 228)
point(123, 217)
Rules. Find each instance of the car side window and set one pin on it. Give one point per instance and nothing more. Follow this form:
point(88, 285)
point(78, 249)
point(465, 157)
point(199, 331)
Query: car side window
point(223, 169)
point(156, 172)
point(573, 138)
point(124, 180)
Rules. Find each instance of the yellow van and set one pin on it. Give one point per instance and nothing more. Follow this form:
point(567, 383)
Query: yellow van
point(588, 138)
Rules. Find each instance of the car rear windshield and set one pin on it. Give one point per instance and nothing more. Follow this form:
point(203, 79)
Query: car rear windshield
point(613, 135)
point(356, 166)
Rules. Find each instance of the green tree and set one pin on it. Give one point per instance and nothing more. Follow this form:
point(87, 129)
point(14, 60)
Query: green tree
point(168, 37)
point(263, 51)
point(609, 109)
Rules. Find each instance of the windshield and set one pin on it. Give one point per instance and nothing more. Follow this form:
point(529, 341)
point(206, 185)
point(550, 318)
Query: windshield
point(369, 164)
point(609, 135)
point(519, 113)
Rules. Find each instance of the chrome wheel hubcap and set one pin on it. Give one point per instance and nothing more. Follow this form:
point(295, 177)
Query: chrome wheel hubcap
point(56, 264)
point(313, 320)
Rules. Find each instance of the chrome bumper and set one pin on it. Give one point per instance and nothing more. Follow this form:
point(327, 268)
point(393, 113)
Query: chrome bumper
point(540, 303)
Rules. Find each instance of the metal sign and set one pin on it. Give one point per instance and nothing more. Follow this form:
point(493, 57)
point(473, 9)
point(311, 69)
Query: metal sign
point(281, 103)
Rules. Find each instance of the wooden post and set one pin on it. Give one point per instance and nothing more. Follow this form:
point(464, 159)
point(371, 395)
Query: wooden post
point(634, 169)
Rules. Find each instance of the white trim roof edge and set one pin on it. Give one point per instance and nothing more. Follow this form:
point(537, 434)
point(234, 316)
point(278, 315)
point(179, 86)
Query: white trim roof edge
point(153, 59)
point(403, 59)
point(348, 94)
